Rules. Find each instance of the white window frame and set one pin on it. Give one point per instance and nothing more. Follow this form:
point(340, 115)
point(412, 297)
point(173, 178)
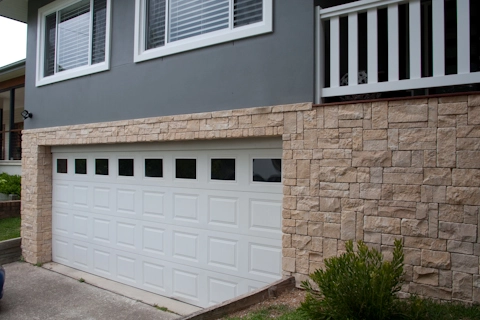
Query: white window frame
point(204, 40)
point(43, 12)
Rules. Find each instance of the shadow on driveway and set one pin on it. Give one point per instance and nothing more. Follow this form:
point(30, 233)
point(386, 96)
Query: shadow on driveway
point(35, 293)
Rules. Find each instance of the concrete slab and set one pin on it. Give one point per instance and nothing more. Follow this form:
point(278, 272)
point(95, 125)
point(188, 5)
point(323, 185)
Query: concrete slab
point(152, 299)
point(36, 293)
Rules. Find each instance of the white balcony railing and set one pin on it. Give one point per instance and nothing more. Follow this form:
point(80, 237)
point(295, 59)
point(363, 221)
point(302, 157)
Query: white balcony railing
point(415, 54)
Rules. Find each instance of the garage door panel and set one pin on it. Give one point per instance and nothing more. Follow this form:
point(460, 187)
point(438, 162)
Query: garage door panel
point(201, 240)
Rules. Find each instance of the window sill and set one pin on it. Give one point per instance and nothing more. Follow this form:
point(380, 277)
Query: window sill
point(73, 73)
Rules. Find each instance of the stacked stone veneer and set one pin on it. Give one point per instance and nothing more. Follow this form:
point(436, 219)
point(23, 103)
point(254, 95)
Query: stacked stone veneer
point(376, 172)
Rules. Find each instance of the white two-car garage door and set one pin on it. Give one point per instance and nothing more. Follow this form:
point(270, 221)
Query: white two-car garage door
point(199, 222)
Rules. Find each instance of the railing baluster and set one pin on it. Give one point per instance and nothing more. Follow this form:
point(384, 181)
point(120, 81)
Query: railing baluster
point(372, 43)
point(393, 67)
point(353, 49)
point(335, 52)
point(463, 36)
point(415, 28)
point(438, 38)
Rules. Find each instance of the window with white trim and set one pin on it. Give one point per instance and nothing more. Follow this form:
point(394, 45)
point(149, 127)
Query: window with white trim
point(73, 39)
point(165, 27)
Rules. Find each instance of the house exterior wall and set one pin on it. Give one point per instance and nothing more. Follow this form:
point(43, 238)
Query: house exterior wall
point(375, 171)
point(249, 72)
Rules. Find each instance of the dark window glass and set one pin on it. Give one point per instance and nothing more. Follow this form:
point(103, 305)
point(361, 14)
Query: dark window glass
point(125, 167)
point(154, 168)
point(267, 170)
point(81, 166)
point(101, 167)
point(223, 169)
point(61, 165)
point(186, 168)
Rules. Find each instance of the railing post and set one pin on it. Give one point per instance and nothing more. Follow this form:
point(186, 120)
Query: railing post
point(12, 124)
point(319, 56)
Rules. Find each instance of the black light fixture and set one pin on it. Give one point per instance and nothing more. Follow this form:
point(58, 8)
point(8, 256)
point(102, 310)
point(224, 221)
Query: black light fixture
point(26, 114)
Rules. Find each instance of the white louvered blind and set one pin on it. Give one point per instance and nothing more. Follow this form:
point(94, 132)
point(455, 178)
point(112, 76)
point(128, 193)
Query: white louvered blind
point(189, 18)
point(155, 32)
point(246, 12)
point(73, 36)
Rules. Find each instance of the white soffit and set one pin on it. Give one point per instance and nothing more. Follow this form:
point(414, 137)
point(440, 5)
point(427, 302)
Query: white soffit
point(14, 9)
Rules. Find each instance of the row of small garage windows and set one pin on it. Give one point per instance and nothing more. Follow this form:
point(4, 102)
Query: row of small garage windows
point(266, 170)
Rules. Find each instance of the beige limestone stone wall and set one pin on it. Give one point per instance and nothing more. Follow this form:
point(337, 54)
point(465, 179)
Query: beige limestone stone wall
point(378, 171)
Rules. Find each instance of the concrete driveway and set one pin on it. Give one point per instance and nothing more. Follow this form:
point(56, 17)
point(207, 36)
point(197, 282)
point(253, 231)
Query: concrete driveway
point(36, 293)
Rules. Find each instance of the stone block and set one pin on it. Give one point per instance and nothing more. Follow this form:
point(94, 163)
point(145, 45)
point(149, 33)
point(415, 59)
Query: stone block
point(436, 259)
point(473, 100)
point(372, 237)
point(457, 231)
point(433, 194)
point(452, 108)
point(474, 115)
point(468, 144)
point(468, 159)
point(382, 224)
point(379, 115)
point(437, 176)
point(446, 147)
point(465, 263)
point(330, 204)
point(301, 242)
point(315, 229)
point(345, 174)
point(370, 190)
point(329, 248)
point(288, 264)
point(301, 227)
point(401, 158)
point(317, 244)
point(393, 139)
point(376, 175)
point(445, 278)
point(430, 158)
point(348, 227)
point(414, 227)
point(303, 169)
point(372, 145)
point(330, 115)
point(424, 275)
point(463, 195)
point(403, 178)
point(371, 158)
point(450, 213)
point(307, 203)
point(468, 132)
point(331, 230)
point(408, 113)
point(432, 112)
point(430, 291)
point(332, 217)
point(470, 214)
point(355, 205)
point(375, 135)
point(363, 174)
point(396, 212)
point(447, 121)
point(350, 112)
point(460, 247)
point(462, 286)
point(417, 139)
point(406, 193)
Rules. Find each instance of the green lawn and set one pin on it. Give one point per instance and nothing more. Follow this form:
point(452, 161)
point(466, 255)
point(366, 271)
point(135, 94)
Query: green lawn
point(9, 228)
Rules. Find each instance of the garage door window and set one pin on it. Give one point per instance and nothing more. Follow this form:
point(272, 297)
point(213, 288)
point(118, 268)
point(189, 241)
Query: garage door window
point(223, 169)
point(101, 167)
point(186, 168)
point(267, 170)
point(80, 166)
point(125, 167)
point(61, 165)
point(154, 168)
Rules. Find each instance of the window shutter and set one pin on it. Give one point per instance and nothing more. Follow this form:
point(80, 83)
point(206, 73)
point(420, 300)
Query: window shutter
point(73, 36)
point(246, 12)
point(189, 18)
point(50, 30)
point(155, 30)
point(99, 30)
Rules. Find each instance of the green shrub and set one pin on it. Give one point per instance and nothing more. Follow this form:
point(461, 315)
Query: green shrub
point(355, 285)
point(10, 184)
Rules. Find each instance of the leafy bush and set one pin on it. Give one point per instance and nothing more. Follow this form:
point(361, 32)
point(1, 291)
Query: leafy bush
point(355, 285)
point(10, 184)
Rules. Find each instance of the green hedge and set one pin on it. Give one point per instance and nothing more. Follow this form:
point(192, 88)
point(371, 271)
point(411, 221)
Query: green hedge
point(10, 184)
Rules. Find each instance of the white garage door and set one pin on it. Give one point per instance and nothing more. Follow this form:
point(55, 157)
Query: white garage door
point(199, 222)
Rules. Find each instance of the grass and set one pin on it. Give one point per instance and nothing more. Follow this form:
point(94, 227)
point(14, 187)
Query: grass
point(9, 228)
point(281, 312)
point(413, 309)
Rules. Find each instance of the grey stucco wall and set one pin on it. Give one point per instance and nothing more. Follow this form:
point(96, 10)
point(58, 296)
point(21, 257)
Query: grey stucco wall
point(271, 69)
